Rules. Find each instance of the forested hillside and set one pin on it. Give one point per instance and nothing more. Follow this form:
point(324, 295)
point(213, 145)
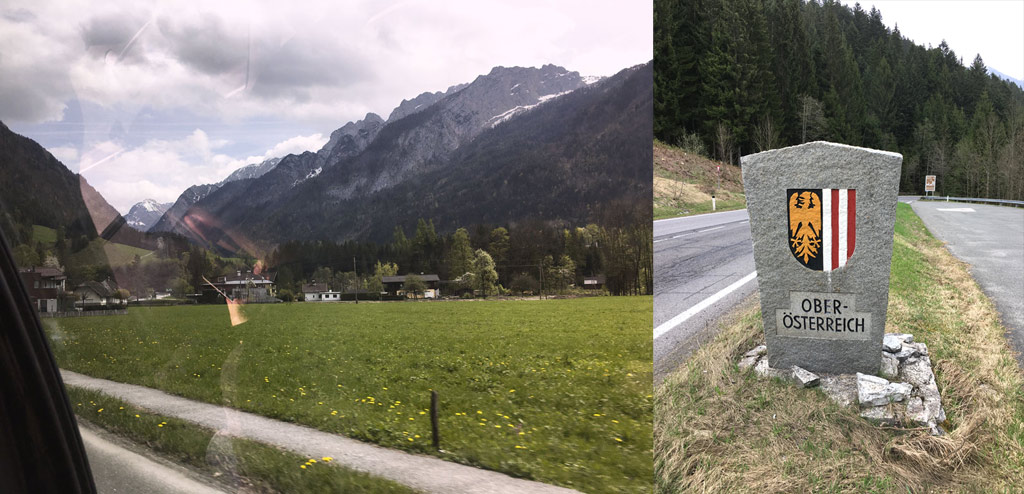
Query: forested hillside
point(740, 76)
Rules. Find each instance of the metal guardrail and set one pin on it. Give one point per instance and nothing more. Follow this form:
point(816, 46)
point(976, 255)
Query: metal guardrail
point(1000, 202)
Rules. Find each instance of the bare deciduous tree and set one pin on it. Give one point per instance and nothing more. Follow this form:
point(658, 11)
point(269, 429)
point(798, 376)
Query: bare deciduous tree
point(723, 138)
point(766, 134)
point(812, 118)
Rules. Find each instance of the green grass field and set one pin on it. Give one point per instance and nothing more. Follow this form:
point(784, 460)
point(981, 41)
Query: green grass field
point(44, 235)
point(558, 391)
point(100, 251)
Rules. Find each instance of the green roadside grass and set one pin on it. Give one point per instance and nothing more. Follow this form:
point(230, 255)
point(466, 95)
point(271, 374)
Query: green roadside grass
point(558, 391)
point(239, 462)
point(674, 210)
point(718, 429)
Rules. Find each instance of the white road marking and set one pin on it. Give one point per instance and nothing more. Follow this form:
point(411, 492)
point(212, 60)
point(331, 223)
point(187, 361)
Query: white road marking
point(662, 240)
point(958, 210)
point(704, 304)
point(744, 221)
point(711, 229)
point(684, 235)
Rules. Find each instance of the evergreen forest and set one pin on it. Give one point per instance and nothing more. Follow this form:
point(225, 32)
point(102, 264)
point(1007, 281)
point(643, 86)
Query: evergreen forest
point(734, 77)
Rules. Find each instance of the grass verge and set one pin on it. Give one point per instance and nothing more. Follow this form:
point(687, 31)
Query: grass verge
point(248, 465)
point(720, 430)
point(558, 391)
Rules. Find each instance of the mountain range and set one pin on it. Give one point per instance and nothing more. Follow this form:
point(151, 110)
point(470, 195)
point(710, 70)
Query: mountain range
point(514, 144)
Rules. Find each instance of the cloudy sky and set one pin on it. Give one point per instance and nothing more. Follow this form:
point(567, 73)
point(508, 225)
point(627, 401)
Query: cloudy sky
point(993, 28)
point(145, 101)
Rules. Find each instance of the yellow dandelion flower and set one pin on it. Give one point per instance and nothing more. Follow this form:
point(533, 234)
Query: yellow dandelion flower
point(159, 425)
point(302, 467)
point(136, 415)
point(619, 440)
point(327, 458)
point(100, 410)
point(411, 439)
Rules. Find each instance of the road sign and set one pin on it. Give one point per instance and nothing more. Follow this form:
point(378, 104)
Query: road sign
point(929, 183)
point(821, 221)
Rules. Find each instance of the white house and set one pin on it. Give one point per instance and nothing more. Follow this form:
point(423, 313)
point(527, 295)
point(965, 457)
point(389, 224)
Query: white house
point(312, 292)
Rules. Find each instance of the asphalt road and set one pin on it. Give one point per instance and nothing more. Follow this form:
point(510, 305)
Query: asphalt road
point(703, 269)
point(991, 240)
point(116, 468)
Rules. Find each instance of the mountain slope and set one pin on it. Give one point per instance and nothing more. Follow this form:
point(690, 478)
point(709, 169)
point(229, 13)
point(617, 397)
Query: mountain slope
point(171, 219)
point(37, 189)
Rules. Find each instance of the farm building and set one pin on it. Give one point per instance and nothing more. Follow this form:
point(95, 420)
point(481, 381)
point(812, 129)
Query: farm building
point(594, 282)
point(395, 285)
point(45, 286)
point(320, 292)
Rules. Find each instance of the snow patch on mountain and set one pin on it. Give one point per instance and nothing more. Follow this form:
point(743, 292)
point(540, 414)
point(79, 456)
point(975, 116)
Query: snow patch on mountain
point(513, 112)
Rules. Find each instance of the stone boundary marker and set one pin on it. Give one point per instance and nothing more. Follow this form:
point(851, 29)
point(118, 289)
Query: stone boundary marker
point(821, 219)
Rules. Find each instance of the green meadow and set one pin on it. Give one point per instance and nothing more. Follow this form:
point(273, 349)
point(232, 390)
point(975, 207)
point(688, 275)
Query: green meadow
point(558, 391)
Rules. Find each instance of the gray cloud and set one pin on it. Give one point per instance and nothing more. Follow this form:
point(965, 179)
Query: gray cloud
point(287, 70)
point(109, 30)
point(205, 44)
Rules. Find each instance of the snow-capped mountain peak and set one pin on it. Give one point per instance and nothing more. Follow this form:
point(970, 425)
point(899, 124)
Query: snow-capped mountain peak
point(145, 214)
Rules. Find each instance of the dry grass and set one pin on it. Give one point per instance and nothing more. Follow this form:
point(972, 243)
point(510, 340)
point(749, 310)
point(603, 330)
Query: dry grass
point(719, 430)
point(672, 162)
point(679, 191)
point(684, 183)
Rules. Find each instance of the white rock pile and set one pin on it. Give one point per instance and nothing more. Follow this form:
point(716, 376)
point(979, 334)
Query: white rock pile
point(906, 394)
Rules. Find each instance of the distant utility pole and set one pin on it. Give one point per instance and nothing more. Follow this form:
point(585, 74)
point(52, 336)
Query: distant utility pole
point(356, 274)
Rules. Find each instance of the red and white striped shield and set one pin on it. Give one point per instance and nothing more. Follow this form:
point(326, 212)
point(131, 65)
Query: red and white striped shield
point(822, 226)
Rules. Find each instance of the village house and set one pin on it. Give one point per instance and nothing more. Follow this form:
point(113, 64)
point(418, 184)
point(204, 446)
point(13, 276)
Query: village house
point(314, 292)
point(243, 286)
point(45, 287)
point(395, 285)
point(97, 294)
